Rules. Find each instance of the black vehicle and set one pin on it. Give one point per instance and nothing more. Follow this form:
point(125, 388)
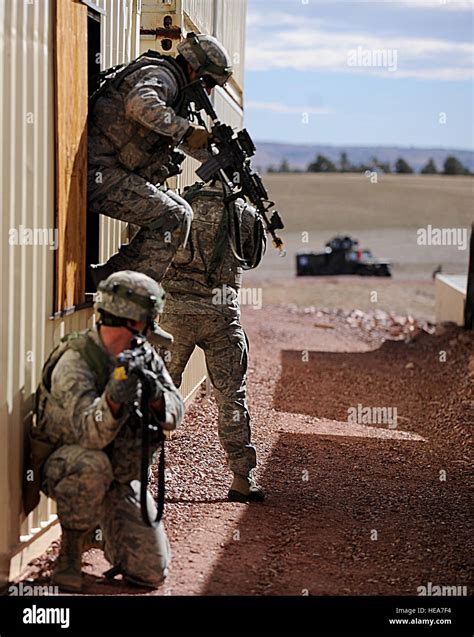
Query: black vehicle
point(341, 256)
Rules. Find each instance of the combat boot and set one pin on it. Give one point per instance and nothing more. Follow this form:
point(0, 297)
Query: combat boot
point(67, 571)
point(245, 489)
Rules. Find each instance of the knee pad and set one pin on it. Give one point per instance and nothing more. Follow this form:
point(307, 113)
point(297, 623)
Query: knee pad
point(179, 215)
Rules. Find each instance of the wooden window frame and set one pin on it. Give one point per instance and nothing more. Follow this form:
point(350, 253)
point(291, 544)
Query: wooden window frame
point(71, 20)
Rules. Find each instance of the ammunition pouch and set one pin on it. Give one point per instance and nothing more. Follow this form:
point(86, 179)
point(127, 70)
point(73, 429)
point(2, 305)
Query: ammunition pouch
point(158, 164)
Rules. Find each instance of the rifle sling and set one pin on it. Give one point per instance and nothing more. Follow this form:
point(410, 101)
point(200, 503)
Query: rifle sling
point(160, 500)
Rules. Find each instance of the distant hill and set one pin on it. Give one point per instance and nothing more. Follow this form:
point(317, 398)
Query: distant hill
point(300, 155)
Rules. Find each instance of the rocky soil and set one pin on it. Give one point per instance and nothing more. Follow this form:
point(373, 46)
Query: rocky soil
point(354, 507)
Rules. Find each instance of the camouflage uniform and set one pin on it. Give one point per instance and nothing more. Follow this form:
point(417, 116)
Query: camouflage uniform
point(133, 130)
point(93, 473)
point(202, 308)
point(137, 119)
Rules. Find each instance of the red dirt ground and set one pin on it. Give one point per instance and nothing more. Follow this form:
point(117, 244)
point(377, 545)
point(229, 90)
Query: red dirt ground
point(352, 509)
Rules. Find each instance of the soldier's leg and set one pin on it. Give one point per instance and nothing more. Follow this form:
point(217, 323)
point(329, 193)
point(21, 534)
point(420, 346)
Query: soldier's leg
point(163, 216)
point(176, 355)
point(140, 552)
point(78, 480)
point(226, 350)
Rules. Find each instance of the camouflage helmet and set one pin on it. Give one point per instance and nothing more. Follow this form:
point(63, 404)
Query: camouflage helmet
point(207, 56)
point(130, 295)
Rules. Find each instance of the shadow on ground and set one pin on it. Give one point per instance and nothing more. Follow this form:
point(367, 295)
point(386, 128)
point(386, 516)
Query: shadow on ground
point(347, 516)
point(408, 377)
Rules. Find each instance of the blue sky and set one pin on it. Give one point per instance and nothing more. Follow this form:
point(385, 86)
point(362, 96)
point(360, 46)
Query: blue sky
point(361, 72)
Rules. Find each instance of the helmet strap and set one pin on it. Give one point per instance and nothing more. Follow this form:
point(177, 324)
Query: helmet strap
point(109, 320)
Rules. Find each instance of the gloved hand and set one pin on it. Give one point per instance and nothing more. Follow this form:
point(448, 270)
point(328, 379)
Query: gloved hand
point(153, 385)
point(197, 137)
point(122, 386)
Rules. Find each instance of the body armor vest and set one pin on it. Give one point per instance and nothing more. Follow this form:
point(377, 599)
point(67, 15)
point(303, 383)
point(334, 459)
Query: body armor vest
point(41, 441)
point(206, 262)
point(115, 139)
point(96, 358)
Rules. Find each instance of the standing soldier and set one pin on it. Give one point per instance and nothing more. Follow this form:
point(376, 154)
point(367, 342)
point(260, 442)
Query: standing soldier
point(86, 445)
point(138, 118)
point(202, 308)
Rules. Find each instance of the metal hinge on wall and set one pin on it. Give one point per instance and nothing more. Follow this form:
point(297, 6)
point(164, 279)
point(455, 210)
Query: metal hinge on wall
point(162, 24)
point(172, 32)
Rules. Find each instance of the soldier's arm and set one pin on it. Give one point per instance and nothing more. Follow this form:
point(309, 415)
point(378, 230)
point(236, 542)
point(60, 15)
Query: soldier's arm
point(88, 414)
point(148, 102)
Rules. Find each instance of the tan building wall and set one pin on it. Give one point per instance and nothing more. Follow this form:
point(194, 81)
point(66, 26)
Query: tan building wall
point(27, 156)
point(27, 186)
point(450, 295)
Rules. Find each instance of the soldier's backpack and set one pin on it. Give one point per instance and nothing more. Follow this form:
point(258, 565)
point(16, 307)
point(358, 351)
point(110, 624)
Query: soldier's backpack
point(114, 75)
point(228, 232)
point(38, 447)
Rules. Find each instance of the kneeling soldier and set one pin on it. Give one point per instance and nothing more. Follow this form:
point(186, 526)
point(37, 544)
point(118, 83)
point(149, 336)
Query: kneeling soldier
point(91, 467)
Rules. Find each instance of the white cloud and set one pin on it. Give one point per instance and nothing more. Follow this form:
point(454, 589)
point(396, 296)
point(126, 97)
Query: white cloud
point(263, 18)
point(447, 5)
point(279, 107)
point(256, 13)
point(310, 46)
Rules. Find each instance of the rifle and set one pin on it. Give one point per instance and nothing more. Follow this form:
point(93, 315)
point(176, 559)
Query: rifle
point(231, 153)
point(134, 363)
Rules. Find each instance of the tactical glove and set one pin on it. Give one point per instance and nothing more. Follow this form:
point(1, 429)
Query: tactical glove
point(197, 137)
point(153, 386)
point(122, 386)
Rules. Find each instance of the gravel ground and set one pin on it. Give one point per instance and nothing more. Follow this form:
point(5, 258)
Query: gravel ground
point(352, 508)
point(369, 294)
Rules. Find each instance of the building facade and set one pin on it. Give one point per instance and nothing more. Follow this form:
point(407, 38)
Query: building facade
point(49, 52)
